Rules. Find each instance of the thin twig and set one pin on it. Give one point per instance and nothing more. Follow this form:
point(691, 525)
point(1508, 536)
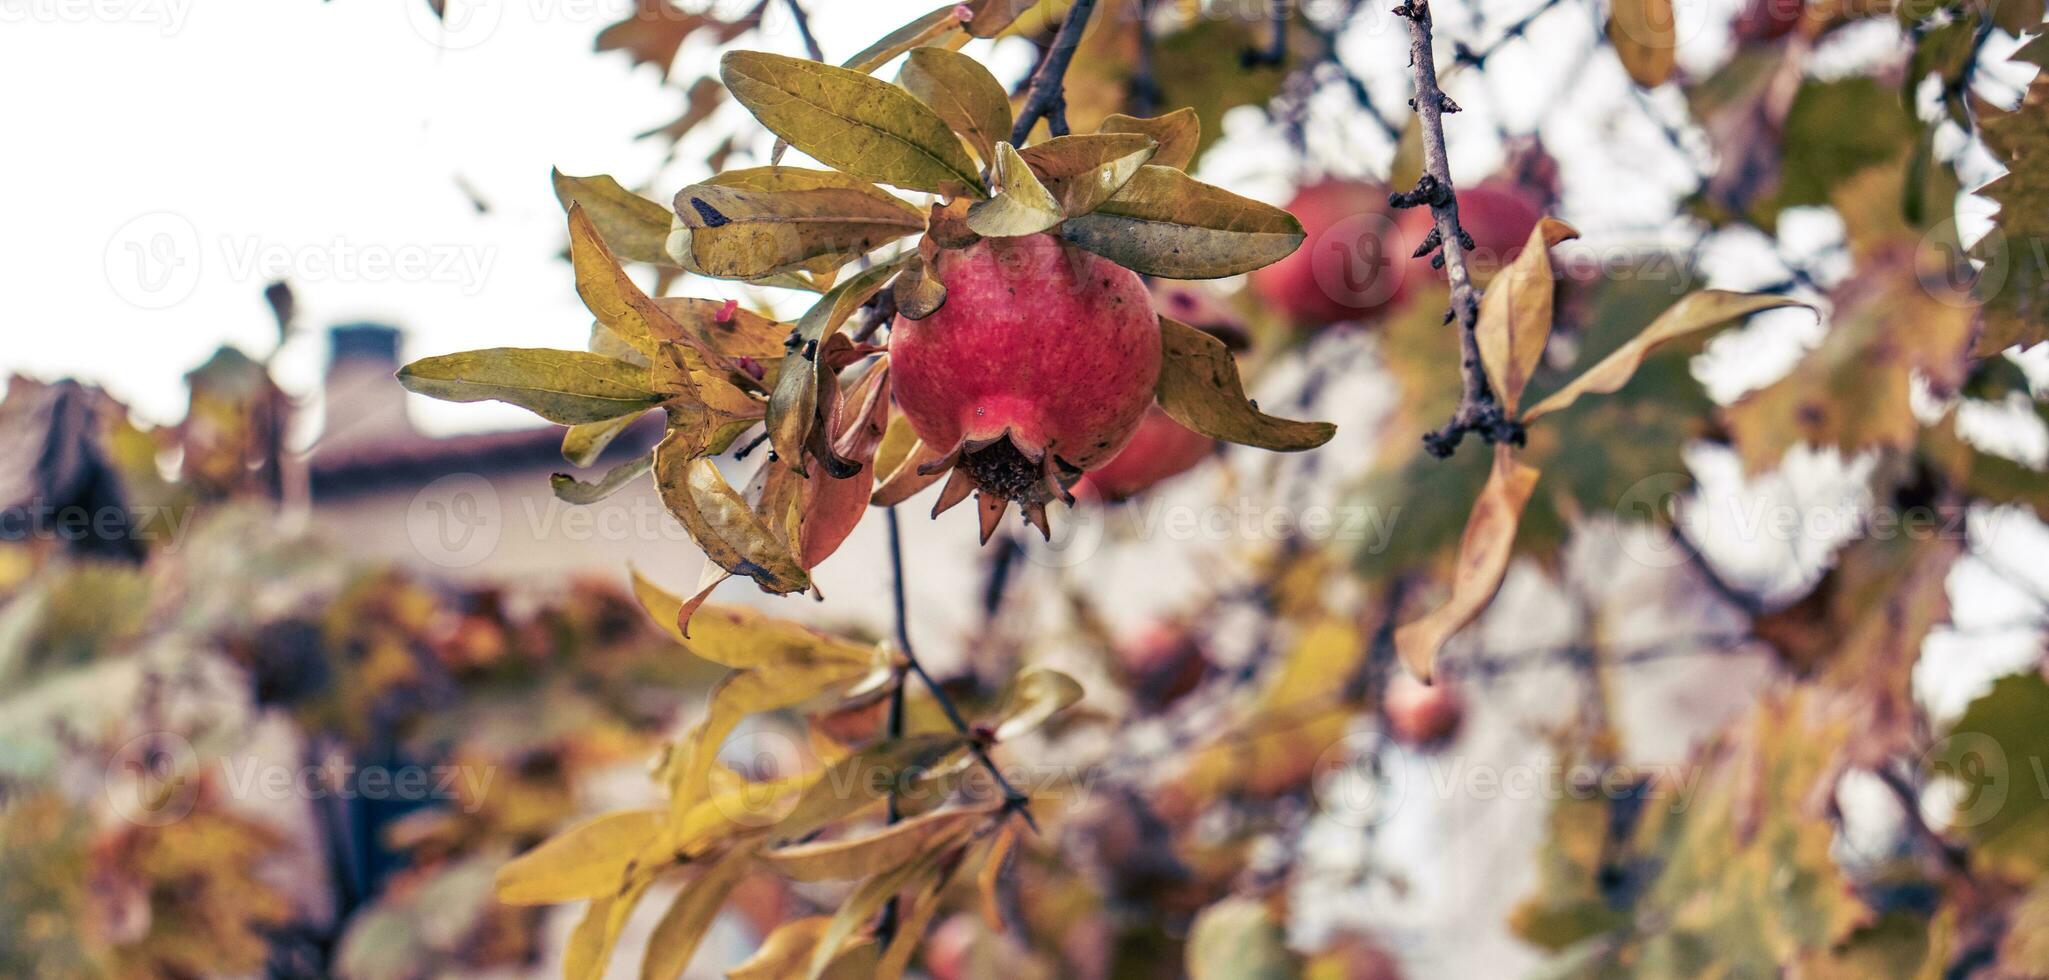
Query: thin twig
point(803, 21)
point(1047, 98)
point(1012, 799)
point(1954, 859)
point(885, 930)
point(1477, 410)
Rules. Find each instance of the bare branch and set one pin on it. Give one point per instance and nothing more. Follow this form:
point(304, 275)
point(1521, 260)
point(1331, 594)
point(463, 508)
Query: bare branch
point(803, 21)
point(1048, 93)
point(1477, 410)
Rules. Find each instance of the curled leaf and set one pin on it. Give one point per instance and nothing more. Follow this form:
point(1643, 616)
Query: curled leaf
point(918, 293)
point(1084, 171)
point(794, 405)
point(1515, 314)
point(935, 24)
point(1179, 133)
point(720, 522)
point(1199, 387)
point(1483, 555)
point(1697, 311)
point(1038, 695)
point(748, 224)
point(571, 490)
point(634, 227)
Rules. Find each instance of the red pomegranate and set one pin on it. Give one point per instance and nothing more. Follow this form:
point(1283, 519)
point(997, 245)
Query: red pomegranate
point(1766, 20)
point(1162, 663)
point(1161, 448)
point(1352, 264)
point(1421, 714)
point(1038, 367)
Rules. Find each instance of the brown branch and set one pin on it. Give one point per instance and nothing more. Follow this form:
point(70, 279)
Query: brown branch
point(1047, 98)
point(803, 21)
point(1477, 410)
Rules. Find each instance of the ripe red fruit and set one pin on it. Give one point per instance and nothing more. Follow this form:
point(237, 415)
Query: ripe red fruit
point(1352, 263)
point(1162, 663)
point(1037, 368)
point(1766, 20)
point(1161, 448)
point(1421, 714)
point(1498, 214)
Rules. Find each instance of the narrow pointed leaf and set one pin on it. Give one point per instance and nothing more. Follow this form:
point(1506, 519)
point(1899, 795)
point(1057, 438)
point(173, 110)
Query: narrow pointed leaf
point(875, 853)
point(1696, 312)
point(963, 93)
point(610, 294)
point(927, 29)
point(1199, 387)
point(1082, 172)
point(749, 224)
point(1483, 555)
point(1166, 223)
point(587, 860)
point(851, 122)
point(583, 444)
point(793, 407)
point(1645, 37)
point(1038, 695)
point(564, 387)
point(571, 490)
point(676, 937)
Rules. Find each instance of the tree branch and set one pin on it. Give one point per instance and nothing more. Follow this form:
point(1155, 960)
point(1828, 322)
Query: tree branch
point(1047, 98)
point(803, 21)
point(1477, 410)
point(1012, 798)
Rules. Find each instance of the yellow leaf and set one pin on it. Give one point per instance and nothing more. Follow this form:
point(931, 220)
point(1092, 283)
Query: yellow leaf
point(963, 93)
point(748, 224)
point(720, 522)
point(1166, 223)
point(744, 693)
point(1179, 133)
point(1645, 38)
point(1698, 311)
point(918, 295)
point(1515, 314)
point(587, 860)
point(864, 903)
point(860, 857)
point(793, 406)
point(910, 931)
point(1082, 172)
point(1038, 695)
point(565, 387)
point(991, 874)
point(864, 778)
point(1199, 387)
point(1483, 555)
point(682, 928)
point(925, 30)
point(1021, 205)
point(633, 226)
point(610, 294)
point(851, 122)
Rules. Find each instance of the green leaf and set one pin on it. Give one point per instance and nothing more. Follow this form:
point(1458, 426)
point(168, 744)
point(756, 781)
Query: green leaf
point(587, 860)
point(851, 122)
point(793, 406)
point(1021, 206)
point(1084, 171)
point(748, 224)
point(571, 490)
point(963, 93)
point(1166, 223)
point(633, 226)
point(564, 387)
point(1179, 133)
point(1199, 387)
point(720, 521)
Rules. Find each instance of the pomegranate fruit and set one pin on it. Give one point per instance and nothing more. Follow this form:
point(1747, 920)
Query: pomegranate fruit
point(1421, 714)
point(1352, 263)
point(1161, 664)
point(1038, 368)
point(1498, 214)
point(1767, 20)
point(1161, 449)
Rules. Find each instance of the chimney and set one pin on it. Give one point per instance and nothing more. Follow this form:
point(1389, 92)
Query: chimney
point(365, 404)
